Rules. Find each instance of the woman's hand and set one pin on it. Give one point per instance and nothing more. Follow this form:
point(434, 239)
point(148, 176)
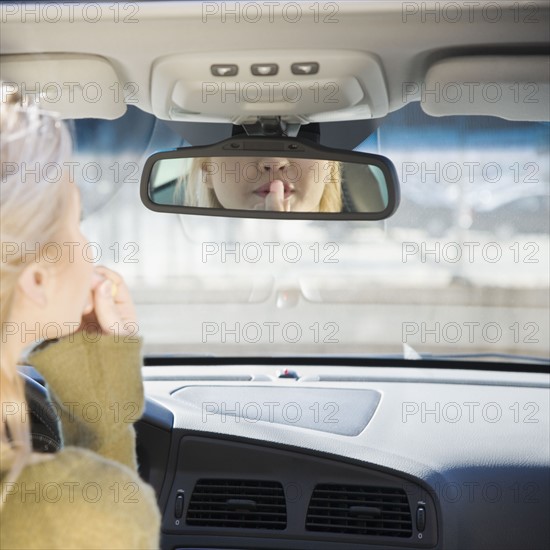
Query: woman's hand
point(111, 309)
point(275, 199)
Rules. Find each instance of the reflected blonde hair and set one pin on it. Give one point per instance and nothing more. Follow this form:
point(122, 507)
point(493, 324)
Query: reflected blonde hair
point(192, 191)
point(32, 210)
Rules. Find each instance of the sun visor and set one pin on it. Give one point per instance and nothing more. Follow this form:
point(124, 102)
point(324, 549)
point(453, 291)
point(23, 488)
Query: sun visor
point(236, 86)
point(509, 87)
point(75, 86)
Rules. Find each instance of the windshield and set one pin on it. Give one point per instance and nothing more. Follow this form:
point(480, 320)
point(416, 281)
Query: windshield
point(461, 268)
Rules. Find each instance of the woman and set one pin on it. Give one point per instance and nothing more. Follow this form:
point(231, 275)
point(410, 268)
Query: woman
point(262, 183)
point(87, 495)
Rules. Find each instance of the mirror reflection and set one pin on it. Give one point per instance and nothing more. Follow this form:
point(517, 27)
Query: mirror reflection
point(275, 184)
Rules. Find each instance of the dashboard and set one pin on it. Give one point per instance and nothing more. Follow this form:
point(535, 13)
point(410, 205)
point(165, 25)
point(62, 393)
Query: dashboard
point(256, 456)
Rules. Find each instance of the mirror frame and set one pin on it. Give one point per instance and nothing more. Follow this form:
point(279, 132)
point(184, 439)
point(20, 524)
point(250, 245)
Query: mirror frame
point(254, 146)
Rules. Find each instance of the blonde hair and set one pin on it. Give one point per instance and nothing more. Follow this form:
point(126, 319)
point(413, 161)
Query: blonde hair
point(32, 210)
point(192, 191)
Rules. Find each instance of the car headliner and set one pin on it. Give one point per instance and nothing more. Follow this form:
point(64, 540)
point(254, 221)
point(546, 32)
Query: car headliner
point(395, 44)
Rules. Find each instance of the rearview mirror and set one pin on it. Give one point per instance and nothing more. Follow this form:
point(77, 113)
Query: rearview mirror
point(261, 177)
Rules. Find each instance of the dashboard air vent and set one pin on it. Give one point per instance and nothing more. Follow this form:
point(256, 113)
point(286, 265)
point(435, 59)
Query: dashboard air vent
point(359, 510)
point(244, 504)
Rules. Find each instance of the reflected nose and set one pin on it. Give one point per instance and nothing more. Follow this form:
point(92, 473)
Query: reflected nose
point(273, 164)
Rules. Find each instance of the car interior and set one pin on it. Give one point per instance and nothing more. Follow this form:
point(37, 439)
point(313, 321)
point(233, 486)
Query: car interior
point(375, 393)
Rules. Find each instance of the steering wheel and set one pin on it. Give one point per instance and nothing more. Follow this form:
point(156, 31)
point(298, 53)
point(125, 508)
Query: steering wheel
point(45, 428)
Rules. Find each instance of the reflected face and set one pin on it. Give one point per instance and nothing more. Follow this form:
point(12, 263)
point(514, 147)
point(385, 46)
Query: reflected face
point(267, 183)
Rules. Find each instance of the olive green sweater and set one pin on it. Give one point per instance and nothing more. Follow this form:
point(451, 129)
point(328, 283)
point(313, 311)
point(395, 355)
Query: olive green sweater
point(89, 496)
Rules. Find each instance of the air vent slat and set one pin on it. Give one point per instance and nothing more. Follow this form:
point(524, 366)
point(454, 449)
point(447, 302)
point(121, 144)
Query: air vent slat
point(325, 527)
point(344, 505)
point(333, 508)
point(215, 503)
point(235, 524)
point(325, 507)
point(325, 523)
point(362, 491)
point(237, 512)
point(208, 488)
point(242, 491)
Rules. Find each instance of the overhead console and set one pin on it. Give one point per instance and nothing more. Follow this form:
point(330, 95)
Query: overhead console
point(301, 86)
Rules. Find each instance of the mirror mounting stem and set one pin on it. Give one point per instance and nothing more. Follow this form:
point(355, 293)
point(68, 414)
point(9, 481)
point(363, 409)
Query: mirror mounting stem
point(271, 127)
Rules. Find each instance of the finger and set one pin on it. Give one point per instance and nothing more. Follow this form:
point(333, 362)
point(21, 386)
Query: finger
point(89, 307)
point(275, 197)
point(97, 279)
point(272, 203)
point(278, 187)
point(119, 289)
point(105, 308)
point(109, 274)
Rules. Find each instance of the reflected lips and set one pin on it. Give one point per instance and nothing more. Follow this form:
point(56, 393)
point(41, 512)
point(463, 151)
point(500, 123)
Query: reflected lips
point(264, 190)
